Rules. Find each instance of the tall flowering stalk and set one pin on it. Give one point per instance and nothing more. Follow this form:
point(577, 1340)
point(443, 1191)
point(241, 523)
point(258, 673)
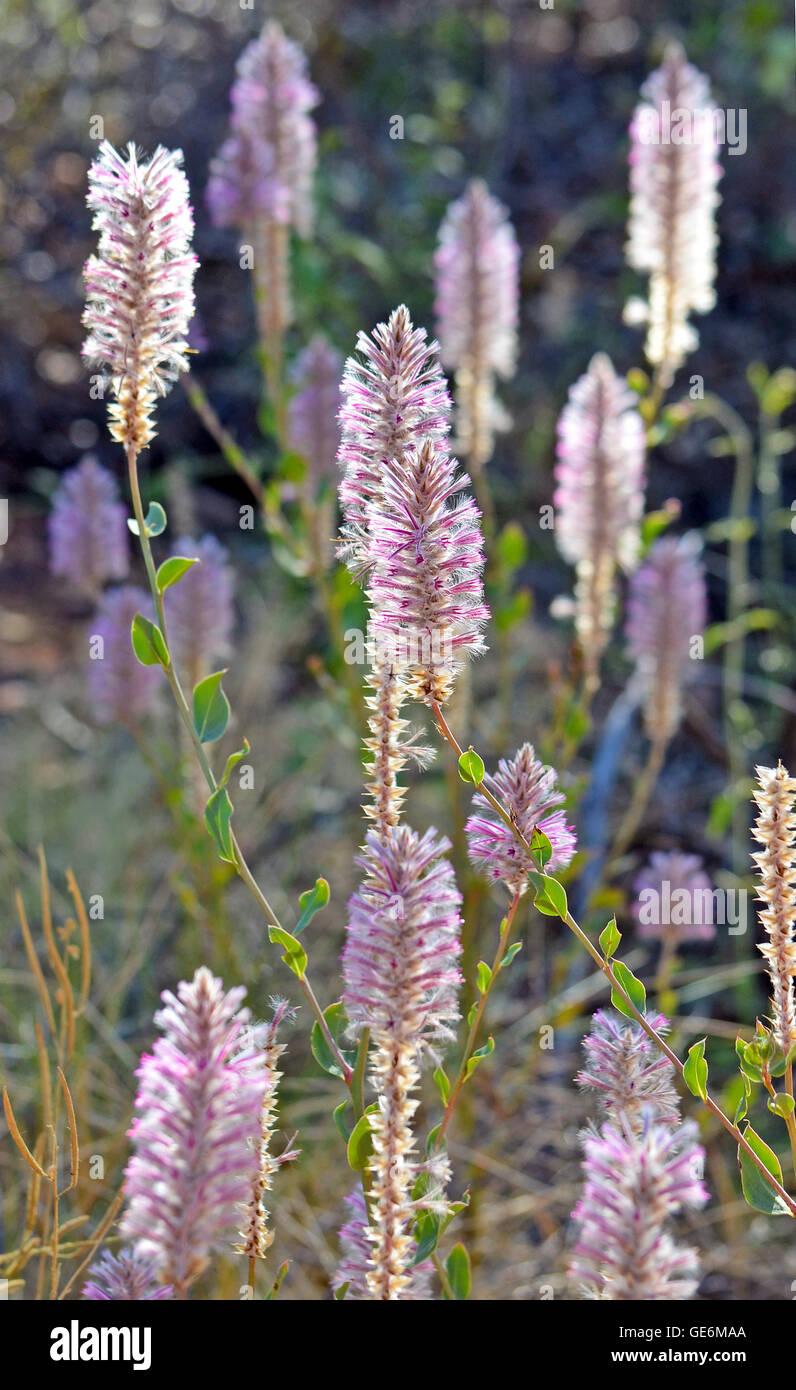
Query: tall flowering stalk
point(200, 609)
point(674, 173)
point(477, 307)
point(775, 830)
point(87, 527)
point(139, 286)
point(313, 431)
point(401, 979)
point(681, 881)
point(599, 498)
point(129, 1276)
point(196, 1127)
point(634, 1183)
point(261, 179)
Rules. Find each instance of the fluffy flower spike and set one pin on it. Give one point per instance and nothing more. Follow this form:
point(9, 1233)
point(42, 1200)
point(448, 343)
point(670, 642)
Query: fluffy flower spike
point(632, 1078)
point(121, 690)
point(394, 397)
point(528, 789)
point(129, 1276)
point(675, 899)
point(313, 426)
point(196, 1129)
point(599, 496)
point(477, 308)
point(88, 527)
point(427, 552)
point(775, 830)
point(634, 1183)
point(139, 286)
point(265, 168)
point(401, 977)
point(667, 608)
point(674, 172)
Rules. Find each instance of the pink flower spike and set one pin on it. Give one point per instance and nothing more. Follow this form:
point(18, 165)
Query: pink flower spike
point(528, 789)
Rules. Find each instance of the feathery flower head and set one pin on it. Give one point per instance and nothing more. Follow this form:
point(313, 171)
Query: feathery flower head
point(265, 167)
point(427, 555)
point(671, 900)
point(528, 789)
point(356, 1259)
point(87, 527)
point(313, 425)
point(121, 690)
point(129, 1276)
point(674, 172)
point(775, 830)
point(394, 397)
point(139, 286)
point(256, 1235)
point(667, 608)
point(599, 495)
point(196, 1128)
point(400, 966)
point(633, 1079)
point(634, 1183)
point(477, 265)
point(199, 610)
point(477, 308)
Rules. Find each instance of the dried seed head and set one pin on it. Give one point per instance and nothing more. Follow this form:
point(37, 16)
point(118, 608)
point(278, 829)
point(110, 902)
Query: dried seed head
point(775, 830)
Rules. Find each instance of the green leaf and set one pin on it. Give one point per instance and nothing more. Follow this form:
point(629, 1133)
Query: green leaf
point(427, 1233)
point(695, 1071)
point(609, 939)
point(633, 988)
point(210, 708)
point(341, 1291)
point(471, 767)
point(292, 467)
point(485, 1051)
point(343, 1123)
point(551, 898)
point(756, 1190)
point(277, 1284)
point(484, 977)
point(432, 1139)
point(457, 1268)
point(453, 1211)
point(148, 643)
point(748, 1060)
point(511, 612)
point(360, 1145)
point(511, 547)
point(510, 954)
point(541, 848)
point(336, 1022)
point(154, 521)
point(783, 1105)
point(471, 1013)
point(172, 570)
point(232, 762)
point(310, 902)
point(742, 1108)
point(443, 1084)
point(295, 956)
point(218, 814)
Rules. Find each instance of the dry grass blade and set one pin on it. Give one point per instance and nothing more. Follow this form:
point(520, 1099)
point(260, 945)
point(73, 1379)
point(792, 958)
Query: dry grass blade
point(18, 1140)
point(33, 959)
point(74, 1147)
point(58, 966)
point(85, 939)
point(99, 1234)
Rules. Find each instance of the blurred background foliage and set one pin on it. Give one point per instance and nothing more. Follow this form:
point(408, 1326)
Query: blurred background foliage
point(537, 102)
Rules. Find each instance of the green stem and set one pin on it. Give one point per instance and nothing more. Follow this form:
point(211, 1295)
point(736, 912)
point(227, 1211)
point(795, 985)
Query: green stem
point(182, 705)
